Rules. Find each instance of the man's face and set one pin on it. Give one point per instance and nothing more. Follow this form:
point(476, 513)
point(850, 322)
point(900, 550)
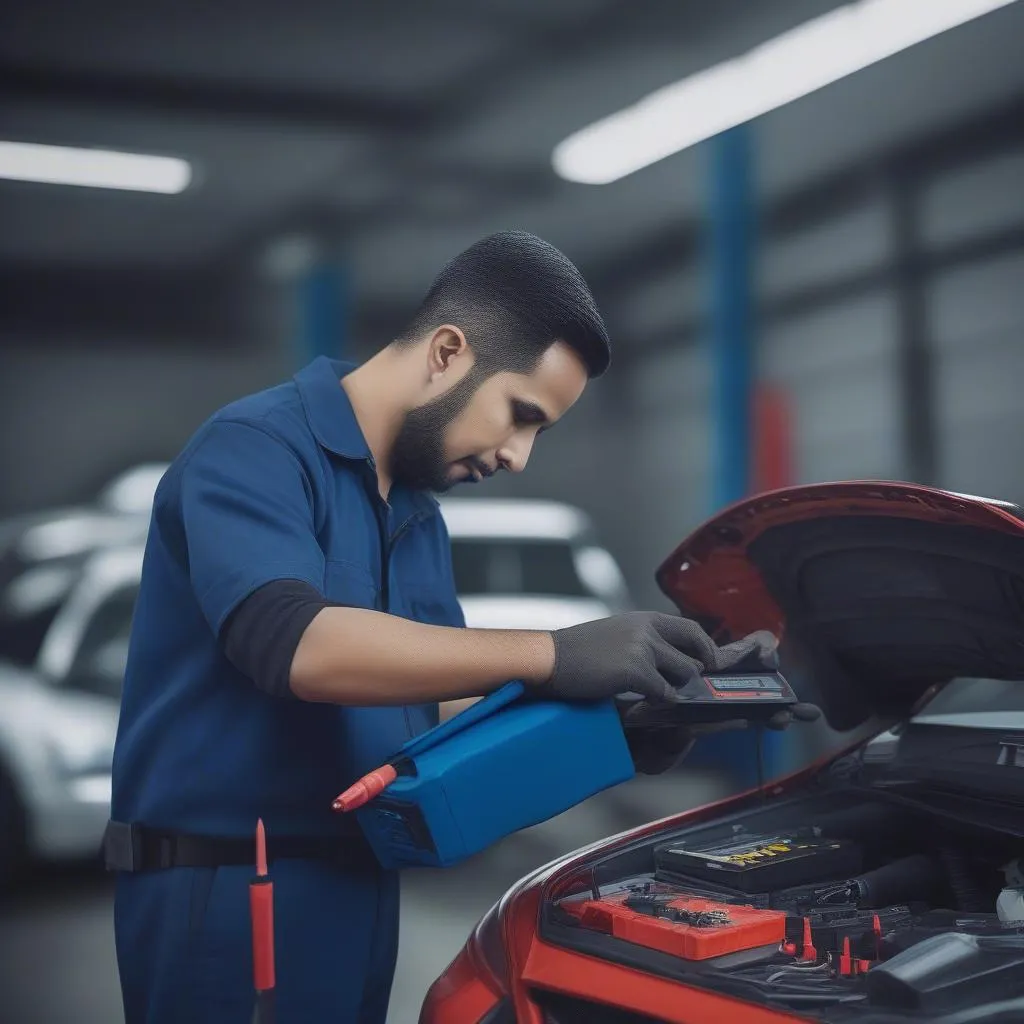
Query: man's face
point(472, 428)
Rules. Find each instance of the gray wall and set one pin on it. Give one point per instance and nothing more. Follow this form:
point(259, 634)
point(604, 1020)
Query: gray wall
point(71, 417)
point(637, 451)
point(642, 462)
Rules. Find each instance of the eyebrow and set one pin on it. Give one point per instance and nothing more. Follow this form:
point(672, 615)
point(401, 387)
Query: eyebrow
point(530, 412)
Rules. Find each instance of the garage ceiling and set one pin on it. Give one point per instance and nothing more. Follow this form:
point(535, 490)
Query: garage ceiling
point(406, 130)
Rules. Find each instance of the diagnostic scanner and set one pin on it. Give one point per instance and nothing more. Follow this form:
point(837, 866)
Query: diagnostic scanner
point(756, 697)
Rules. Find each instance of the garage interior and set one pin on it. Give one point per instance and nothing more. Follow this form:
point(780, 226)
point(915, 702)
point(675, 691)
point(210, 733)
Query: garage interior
point(341, 154)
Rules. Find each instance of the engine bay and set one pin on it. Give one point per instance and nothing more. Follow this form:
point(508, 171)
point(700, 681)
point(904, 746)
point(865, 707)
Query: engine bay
point(842, 909)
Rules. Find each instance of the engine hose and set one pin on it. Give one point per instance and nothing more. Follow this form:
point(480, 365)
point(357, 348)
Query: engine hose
point(969, 898)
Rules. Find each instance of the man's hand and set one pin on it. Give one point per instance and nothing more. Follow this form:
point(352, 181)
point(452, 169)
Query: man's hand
point(648, 653)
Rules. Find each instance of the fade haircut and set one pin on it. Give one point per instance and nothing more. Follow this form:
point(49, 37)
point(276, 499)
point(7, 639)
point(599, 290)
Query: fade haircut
point(513, 296)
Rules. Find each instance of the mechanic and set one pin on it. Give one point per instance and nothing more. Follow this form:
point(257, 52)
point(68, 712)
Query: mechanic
point(297, 622)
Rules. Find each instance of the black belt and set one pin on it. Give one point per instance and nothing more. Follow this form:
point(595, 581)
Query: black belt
point(135, 847)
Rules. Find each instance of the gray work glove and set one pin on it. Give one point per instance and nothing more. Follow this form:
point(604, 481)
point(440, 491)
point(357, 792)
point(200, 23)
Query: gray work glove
point(656, 749)
point(648, 653)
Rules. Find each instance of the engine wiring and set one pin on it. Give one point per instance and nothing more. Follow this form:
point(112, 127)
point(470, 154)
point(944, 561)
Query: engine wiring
point(841, 942)
point(798, 970)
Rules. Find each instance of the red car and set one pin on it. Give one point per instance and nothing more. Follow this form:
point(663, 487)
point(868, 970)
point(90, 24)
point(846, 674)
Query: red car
point(883, 885)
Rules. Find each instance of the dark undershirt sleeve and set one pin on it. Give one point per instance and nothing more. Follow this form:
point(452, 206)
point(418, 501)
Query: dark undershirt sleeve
point(261, 635)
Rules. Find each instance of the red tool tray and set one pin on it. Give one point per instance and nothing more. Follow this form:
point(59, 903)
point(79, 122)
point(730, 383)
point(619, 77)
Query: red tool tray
point(740, 928)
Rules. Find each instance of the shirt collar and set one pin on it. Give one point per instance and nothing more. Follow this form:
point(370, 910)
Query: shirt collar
point(333, 420)
point(328, 409)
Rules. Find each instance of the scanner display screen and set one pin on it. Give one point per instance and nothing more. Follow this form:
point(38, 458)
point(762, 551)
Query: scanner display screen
point(751, 683)
point(767, 686)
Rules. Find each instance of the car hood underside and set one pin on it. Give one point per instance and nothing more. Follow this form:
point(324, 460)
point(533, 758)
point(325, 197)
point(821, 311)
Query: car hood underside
point(880, 591)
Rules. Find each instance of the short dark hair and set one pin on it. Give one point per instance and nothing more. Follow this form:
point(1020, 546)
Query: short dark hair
point(514, 295)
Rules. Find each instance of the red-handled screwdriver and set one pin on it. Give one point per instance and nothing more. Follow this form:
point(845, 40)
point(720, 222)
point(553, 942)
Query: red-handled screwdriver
point(261, 904)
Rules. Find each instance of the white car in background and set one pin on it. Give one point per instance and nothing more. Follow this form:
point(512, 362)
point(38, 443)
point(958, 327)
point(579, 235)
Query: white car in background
point(59, 719)
point(518, 565)
point(523, 564)
point(42, 554)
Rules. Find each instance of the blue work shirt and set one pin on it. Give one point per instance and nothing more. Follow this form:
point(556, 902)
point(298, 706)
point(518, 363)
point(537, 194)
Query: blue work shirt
point(277, 486)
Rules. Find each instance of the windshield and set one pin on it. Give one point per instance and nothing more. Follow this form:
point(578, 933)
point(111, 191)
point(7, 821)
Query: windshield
point(101, 658)
point(486, 565)
point(29, 604)
point(22, 636)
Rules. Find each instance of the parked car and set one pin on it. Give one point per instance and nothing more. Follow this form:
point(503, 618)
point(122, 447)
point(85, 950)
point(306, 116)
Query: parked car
point(881, 885)
point(42, 554)
point(60, 716)
point(525, 564)
point(522, 564)
point(519, 564)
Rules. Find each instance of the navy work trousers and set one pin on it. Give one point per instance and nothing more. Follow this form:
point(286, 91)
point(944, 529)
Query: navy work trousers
point(184, 944)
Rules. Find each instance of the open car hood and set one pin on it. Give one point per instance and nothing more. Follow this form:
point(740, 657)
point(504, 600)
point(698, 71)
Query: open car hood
point(879, 590)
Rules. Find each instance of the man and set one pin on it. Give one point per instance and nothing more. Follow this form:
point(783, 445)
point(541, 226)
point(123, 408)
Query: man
point(297, 622)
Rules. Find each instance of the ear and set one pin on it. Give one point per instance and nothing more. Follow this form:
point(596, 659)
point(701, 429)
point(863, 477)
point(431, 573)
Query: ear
point(447, 344)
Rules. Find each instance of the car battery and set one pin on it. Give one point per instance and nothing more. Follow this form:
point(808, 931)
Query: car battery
point(681, 925)
point(910, 879)
point(751, 863)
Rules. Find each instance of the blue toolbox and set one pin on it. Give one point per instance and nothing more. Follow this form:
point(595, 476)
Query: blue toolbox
point(507, 762)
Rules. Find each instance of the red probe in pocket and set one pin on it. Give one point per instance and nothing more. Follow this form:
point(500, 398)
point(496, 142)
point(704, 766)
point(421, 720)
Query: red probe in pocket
point(261, 905)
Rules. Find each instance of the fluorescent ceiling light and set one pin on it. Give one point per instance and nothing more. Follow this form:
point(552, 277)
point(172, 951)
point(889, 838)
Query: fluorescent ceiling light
point(794, 64)
point(93, 168)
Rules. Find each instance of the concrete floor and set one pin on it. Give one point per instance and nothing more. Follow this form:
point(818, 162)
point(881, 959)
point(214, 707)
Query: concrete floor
point(56, 934)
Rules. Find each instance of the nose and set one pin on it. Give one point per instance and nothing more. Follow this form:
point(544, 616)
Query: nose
point(514, 454)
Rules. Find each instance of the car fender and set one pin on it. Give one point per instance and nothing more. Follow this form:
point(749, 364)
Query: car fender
point(24, 752)
point(29, 753)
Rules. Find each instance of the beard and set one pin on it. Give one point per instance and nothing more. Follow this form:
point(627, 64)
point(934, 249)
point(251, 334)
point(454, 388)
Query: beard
point(418, 456)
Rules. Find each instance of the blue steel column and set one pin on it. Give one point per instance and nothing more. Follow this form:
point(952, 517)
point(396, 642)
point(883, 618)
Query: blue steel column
point(731, 231)
point(731, 243)
point(323, 312)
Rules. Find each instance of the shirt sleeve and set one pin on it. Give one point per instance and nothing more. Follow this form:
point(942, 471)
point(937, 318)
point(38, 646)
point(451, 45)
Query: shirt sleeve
point(261, 635)
point(247, 513)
